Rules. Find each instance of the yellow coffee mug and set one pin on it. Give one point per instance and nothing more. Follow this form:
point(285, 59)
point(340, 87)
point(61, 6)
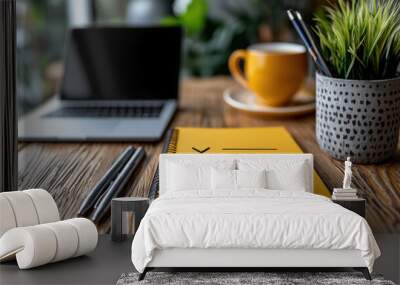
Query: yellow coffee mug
point(272, 71)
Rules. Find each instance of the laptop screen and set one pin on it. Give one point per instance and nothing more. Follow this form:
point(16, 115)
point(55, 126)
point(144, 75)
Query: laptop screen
point(122, 63)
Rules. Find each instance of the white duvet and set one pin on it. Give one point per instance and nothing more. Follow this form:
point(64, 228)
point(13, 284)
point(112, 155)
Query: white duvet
point(250, 219)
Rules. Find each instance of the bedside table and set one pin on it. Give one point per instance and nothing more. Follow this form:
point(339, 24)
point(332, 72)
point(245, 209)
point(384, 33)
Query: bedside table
point(355, 205)
point(137, 205)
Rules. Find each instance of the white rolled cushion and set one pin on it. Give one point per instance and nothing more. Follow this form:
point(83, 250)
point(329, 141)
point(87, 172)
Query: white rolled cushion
point(33, 246)
point(281, 174)
point(40, 244)
point(87, 235)
point(23, 208)
point(45, 205)
point(26, 208)
point(251, 178)
point(66, 238)
point(7, 218)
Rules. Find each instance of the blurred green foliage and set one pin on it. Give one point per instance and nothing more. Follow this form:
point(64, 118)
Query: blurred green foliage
point(209, 42)
point(193, 19)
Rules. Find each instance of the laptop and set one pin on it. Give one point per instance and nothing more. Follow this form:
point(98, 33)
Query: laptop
point(119, 84)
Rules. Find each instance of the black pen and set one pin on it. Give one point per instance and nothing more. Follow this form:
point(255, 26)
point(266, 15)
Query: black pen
point(314, 46)
point(303, 37)
point(116, 186)
point(105, 181)
point(299, 27)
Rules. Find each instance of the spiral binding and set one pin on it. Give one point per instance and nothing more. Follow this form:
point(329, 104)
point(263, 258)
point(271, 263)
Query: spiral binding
point(172, 146)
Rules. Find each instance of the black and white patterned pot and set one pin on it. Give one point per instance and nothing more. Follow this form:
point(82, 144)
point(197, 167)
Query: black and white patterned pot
point(358, 118)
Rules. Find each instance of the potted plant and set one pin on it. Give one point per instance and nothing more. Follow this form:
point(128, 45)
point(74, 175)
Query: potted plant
point(358, 108)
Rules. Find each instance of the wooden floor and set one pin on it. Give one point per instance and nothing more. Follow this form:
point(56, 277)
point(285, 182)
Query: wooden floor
point(70, 170)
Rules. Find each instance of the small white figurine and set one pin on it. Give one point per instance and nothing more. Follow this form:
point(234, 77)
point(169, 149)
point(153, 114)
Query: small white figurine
point(347, 174)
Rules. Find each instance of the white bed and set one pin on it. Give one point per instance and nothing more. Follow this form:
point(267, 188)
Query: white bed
point(201, 219)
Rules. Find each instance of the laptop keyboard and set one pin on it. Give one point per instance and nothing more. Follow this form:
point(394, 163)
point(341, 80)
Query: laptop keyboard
point(108, 112)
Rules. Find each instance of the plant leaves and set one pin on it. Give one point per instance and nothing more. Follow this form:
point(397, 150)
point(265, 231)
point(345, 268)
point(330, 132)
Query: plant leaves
point(358, 37)
point(195, 17)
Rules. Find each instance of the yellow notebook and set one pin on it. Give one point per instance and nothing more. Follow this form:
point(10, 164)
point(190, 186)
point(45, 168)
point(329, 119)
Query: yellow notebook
point(237, 140)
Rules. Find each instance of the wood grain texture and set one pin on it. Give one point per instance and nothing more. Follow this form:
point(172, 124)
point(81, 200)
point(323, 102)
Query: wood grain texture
point(70, 170)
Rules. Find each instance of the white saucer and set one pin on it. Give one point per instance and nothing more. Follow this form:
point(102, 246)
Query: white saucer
point(303, 103)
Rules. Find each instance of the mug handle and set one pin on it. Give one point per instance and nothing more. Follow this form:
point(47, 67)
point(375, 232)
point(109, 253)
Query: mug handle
point(234, 68)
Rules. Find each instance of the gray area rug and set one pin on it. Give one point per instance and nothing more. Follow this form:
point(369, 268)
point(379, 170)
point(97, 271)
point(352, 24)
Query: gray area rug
point(273, 278)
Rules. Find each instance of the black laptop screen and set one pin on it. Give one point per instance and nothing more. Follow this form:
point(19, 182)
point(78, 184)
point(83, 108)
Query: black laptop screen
point(114, 63)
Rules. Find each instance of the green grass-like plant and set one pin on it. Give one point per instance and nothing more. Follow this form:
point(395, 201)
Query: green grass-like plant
point(360, 39)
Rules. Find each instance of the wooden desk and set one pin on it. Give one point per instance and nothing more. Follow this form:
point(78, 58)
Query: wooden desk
point(70, 170)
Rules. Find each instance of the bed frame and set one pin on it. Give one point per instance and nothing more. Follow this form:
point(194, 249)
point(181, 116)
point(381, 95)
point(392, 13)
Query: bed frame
point(250, 259)
point(238, 259)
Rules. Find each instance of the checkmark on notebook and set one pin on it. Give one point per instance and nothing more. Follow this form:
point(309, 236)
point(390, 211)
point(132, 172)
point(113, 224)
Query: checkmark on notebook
point(201, 151)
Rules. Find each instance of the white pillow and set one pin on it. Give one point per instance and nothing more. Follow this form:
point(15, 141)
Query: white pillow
point(237, 179)
point(223, 179)
point(251, 178)
point(181, 177)
point(281, 174)
point(187, 175)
